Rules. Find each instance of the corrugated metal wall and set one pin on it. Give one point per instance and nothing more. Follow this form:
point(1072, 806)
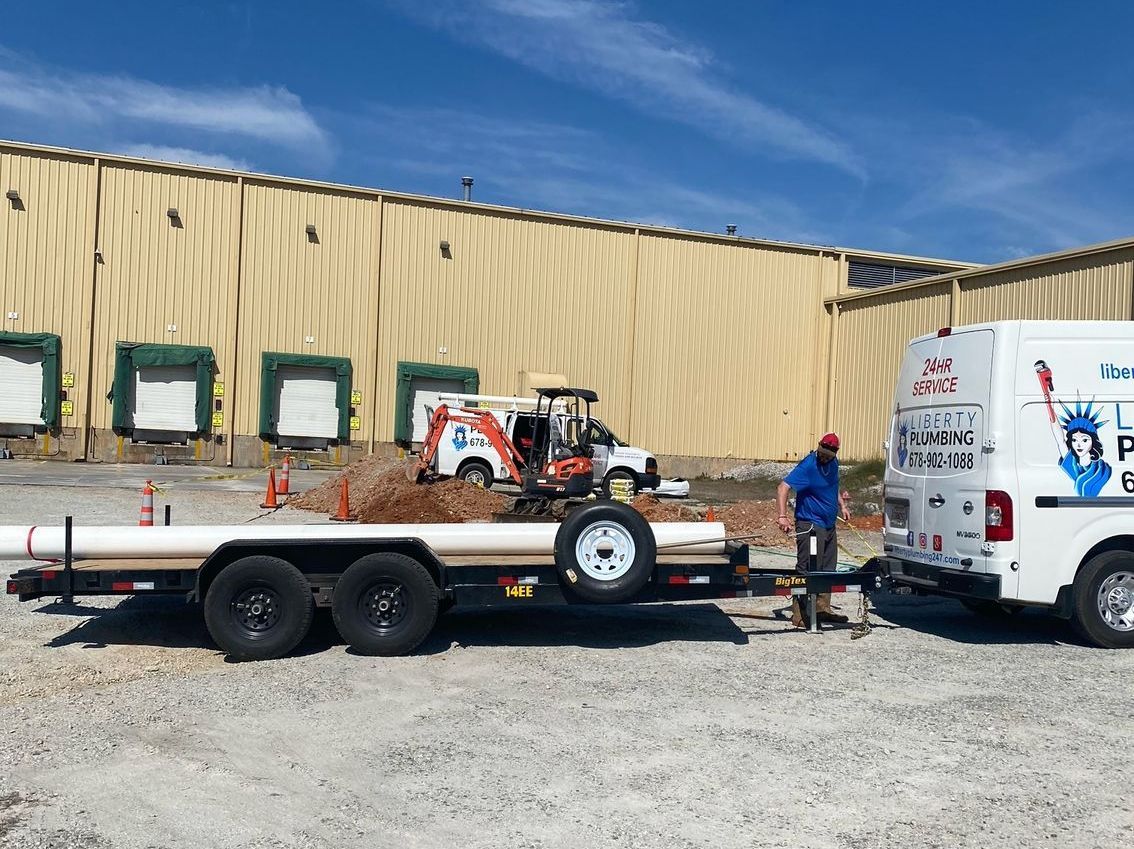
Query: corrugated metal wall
point(156, 274)
point(294, 287)
point(46, 257)
point(872, 336)
point(1089, 287)
point(727, 348)
point(512, 295)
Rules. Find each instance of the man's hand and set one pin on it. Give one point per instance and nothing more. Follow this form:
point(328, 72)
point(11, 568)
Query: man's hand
point(785, 524)
point(846, 514)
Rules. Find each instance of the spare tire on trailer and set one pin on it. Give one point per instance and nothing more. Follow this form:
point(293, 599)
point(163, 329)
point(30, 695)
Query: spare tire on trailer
point(605, 552)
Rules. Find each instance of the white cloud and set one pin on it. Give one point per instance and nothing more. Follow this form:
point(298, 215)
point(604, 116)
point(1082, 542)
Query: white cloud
point(185, 155)
point(264, 113)
point(600, 44)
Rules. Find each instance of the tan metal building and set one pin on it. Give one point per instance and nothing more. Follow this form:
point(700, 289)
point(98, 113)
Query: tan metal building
point(213, 316)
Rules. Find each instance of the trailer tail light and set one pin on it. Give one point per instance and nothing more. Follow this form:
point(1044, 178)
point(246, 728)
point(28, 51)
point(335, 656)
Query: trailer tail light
point(13, 588)
point(651, 466)
point(997, 516)
point(944, 331)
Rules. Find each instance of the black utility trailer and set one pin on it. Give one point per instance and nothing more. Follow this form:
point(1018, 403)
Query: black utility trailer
point(385, 594)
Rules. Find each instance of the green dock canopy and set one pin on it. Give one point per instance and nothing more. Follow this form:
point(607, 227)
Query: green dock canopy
point(129, 356)
point(52, 375)
point(403, 398)
point(271, 361)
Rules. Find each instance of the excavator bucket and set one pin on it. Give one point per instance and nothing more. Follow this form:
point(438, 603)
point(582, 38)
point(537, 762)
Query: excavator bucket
point(415, 470)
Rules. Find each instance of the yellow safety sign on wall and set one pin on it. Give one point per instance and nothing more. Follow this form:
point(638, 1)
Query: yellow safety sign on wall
point(67, 408)
point(68, 379)
point(355, 423)
point(218, 390)
point(355, 397)
point(218, 419)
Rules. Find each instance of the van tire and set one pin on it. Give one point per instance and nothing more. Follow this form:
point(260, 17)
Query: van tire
point(1103, 606)
point(259, 608)
point(620, 475)
point(476, 473)
point(990, 609)
point(410, 599)
point(605, 552)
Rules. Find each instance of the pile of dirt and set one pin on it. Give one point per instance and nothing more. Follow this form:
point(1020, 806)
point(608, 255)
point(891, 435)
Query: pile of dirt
point(867, 523)
point(381, 494)
point(656, 510)
point(754, 519)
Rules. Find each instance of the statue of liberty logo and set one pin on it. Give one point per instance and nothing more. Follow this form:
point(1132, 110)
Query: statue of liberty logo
point(1083, 461)
point(903, 443)
point(460, 437)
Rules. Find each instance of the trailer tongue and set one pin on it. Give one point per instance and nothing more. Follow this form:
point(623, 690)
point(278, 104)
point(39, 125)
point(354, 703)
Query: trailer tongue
point(386, 584)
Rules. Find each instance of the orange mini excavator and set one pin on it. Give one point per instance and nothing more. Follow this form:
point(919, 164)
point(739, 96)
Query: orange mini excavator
point(559, 463)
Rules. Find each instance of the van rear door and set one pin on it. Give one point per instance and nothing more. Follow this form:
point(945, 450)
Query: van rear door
point(936, 469)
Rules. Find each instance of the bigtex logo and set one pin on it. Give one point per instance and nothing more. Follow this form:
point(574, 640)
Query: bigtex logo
point(792, 581)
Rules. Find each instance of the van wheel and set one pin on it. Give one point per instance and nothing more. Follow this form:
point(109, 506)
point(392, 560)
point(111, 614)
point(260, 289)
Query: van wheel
point(259, 608)
point(476, 473)
point(627, 482)
point(992, 609)
point(1103, 610)
point(605, 552)
point(385, 604)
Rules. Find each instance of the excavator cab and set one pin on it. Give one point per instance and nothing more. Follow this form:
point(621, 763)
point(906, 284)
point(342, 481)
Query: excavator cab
point(559, 465)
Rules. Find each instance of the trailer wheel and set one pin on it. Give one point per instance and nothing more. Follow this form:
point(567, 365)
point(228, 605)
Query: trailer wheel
point(1103, 611)
point(605, 552)
point(476, 473)
point(385, 604)
point(259, 608)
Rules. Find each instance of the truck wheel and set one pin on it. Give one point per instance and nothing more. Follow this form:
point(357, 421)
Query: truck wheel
point(385, 604)
point(605, 552)
point(259, 608)
point(991, 609)
point(1103, 611)
point(476, 473)
point(632, 489)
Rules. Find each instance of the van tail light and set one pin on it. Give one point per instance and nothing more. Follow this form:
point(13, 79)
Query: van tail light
point(997, 516)
point(944, 331)
point(651, 466)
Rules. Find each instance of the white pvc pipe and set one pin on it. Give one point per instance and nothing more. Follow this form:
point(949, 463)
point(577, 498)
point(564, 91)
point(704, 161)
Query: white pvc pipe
point(184, 541)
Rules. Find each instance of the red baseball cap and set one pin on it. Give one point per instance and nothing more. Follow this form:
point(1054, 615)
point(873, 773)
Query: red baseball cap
point(830, 441)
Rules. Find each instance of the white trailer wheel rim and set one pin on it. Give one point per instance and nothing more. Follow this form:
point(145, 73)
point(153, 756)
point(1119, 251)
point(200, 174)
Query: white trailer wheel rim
point(1116, 601)
point(605, 551)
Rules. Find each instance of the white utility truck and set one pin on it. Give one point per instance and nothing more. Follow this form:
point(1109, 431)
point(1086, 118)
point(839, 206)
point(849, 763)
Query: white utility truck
point(469, 455)
point(1010, 471)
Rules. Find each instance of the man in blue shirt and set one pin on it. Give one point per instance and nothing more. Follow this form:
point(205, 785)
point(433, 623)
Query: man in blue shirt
point(818, 505)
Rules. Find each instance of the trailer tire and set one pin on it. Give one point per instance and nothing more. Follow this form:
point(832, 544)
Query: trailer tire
point(385, 604)
point(476, 473)
point(259, 608)
point(605, 553)
point(1103, 606)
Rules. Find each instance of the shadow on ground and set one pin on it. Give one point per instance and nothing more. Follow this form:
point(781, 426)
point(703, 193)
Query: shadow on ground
point(948, 619)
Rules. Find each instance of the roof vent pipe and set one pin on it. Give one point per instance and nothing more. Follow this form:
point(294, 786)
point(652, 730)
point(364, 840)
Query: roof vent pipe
point(730, 229)
point(466, 182)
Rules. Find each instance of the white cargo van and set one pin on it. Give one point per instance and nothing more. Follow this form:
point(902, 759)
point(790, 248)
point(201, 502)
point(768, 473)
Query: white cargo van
point(1010, 471)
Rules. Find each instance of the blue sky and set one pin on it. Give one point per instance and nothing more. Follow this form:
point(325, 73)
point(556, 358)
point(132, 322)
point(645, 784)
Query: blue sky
point(973, 131)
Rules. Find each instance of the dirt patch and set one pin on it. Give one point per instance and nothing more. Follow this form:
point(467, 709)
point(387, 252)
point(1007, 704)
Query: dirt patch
point(381, 494)
point(754, 519)
point(867, 523)
point(656, 510)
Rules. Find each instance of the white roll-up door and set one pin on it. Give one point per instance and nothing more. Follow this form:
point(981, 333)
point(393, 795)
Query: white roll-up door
point(21, 385)
point(164, 398)
point(305, 402)
point(427, 391)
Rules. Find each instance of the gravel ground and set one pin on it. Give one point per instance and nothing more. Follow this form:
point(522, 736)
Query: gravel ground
point(653, 726)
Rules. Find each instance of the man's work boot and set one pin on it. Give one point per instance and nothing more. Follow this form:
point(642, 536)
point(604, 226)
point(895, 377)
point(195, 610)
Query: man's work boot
point(797, 618)
point(824, 613)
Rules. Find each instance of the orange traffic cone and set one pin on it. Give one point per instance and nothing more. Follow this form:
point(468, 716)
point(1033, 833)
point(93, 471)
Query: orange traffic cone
point(270, 502)
point(285, 477)
point(344, 505)
point(710, 516)
point(146, 517)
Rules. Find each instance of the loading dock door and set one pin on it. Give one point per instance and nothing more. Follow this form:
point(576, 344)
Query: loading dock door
point(305, 402)
point(164, 398)
point(427, 391)
point(21, 385)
